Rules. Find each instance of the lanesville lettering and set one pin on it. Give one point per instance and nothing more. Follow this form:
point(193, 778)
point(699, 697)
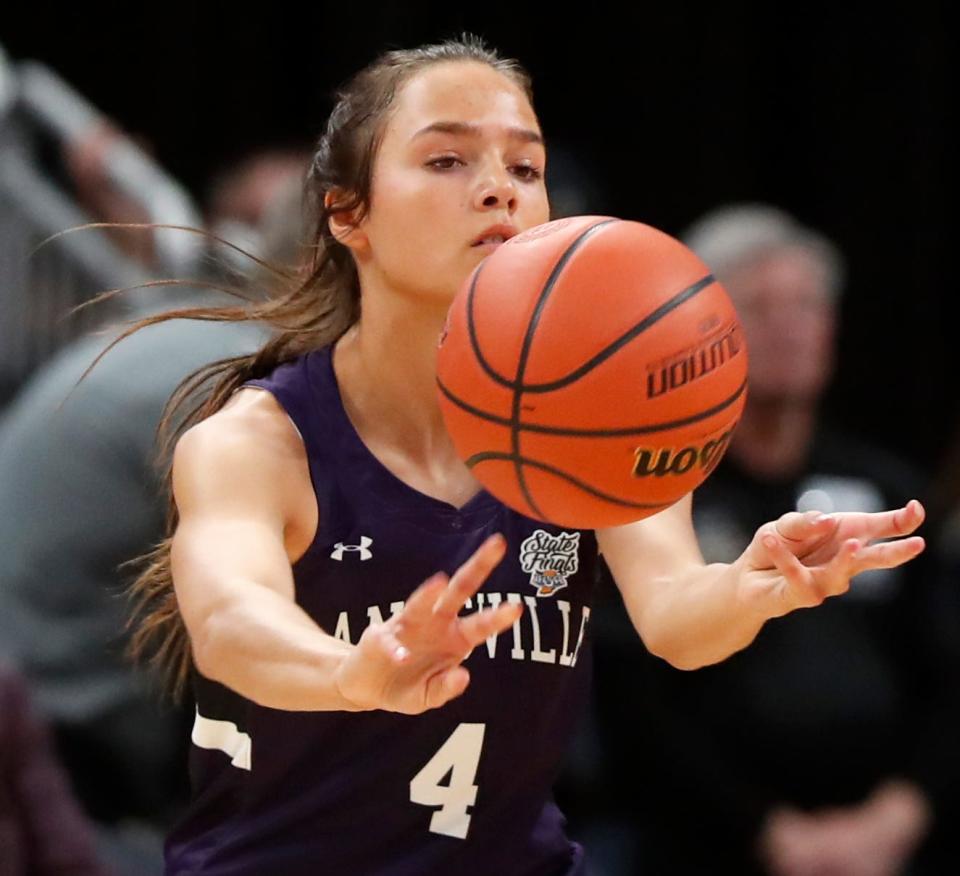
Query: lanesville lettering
point(527, 640)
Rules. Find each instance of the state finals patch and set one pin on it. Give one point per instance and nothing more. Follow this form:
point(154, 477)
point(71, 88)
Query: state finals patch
point(550, 560)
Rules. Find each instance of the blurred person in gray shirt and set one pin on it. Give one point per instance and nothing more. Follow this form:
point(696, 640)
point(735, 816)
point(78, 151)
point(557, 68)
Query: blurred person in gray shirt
point(80, 488)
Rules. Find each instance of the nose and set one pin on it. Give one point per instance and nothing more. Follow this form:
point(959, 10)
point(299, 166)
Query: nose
point(497, 189)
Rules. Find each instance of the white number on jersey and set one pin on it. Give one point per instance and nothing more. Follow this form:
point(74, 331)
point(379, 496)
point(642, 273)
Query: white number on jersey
point(459, 757)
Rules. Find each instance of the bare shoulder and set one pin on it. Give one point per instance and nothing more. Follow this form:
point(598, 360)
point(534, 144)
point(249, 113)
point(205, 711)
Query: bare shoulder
point(251, 429)
point(247, 459)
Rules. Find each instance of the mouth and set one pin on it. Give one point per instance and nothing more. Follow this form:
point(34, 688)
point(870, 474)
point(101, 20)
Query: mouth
point(494, 237)
point(488, 243)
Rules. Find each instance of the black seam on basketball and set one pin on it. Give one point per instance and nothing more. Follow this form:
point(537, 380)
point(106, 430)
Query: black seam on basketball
point(474, 340)
point(645, 323)
point(525, 353)
point(603, 355)
point(486, 456)
point(470, 409)
point(594, 433)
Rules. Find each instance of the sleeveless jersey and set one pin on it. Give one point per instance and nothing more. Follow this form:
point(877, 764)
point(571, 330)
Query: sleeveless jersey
point(464, 789)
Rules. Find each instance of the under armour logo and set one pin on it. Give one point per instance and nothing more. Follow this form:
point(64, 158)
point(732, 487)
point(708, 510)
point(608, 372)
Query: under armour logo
point(365, 554)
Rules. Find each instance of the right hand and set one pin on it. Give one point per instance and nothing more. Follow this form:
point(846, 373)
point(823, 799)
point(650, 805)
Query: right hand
point(411, 662)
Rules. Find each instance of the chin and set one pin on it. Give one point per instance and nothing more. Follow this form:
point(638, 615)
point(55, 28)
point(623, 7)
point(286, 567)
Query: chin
point(438, 296)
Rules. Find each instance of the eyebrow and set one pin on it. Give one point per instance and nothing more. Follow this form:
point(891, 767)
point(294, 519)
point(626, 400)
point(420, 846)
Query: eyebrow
point(470, 130)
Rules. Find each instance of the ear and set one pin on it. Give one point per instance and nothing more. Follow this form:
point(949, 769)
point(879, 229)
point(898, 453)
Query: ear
point(343, 225)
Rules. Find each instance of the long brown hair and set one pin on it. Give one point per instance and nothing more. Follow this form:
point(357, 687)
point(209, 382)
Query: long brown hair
point(307, 311)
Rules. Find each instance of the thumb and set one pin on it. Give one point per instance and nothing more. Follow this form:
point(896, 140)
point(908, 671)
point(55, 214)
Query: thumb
point(446, 685)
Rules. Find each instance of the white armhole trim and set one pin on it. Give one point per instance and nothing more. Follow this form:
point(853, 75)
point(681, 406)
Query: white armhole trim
point(222, 736)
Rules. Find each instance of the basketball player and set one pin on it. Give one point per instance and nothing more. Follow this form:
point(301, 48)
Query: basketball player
point(348, 720)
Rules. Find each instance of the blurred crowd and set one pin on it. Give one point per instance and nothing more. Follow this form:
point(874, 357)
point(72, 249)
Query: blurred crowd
point(827, 748)
point(81, 493)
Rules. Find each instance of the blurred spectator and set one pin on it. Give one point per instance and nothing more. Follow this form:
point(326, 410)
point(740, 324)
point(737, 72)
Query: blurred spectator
point(828, 746)
point(42, 830)
point(84, 162)
point(79, 491)
point(235, 199)
point(240, 197)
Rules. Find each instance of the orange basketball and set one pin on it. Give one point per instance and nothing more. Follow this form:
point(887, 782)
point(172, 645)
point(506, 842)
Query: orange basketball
point(591, 371)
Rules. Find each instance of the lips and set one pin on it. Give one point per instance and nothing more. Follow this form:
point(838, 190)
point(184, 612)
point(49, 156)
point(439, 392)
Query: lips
point(494, 235)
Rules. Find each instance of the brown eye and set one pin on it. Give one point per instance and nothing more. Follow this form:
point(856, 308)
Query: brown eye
point(528, 172)
point(437, 162)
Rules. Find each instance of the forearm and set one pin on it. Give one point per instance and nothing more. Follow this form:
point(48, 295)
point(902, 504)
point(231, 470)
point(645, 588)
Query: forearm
point(269, 650)
point(697, 616)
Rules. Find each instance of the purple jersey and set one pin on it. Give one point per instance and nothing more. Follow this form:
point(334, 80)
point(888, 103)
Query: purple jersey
point(464, 789)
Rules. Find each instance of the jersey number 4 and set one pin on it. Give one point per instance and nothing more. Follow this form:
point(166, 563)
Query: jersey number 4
point(457, 758)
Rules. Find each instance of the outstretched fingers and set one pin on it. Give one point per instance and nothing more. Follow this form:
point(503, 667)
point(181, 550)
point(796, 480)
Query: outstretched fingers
point(834, 577)
point(889, 554)
point(810, 586)
point(481, 625)
point(794, 572)
point(866, 526)
point(421, 602)
point(893, 524)
point(469, 578)
point(797, 526)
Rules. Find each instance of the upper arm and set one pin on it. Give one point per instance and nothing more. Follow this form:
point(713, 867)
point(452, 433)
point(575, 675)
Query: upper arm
point(236, 481)
point(644, 553)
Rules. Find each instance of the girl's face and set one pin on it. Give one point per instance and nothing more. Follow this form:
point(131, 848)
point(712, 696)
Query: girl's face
point(461, 151)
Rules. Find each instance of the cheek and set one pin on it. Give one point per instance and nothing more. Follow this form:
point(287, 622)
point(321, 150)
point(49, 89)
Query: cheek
point(416, 212)
point(538, 210)
point(421, 190)
point(400, 220)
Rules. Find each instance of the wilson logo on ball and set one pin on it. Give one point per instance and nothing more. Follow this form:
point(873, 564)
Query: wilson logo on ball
point(660, 462)
point(691, 365)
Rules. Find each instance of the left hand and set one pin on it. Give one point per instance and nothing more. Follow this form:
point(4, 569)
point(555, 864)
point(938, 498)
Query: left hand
point(801, 559)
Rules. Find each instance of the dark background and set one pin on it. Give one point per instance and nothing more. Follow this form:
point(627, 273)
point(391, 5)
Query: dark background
point(843, 116)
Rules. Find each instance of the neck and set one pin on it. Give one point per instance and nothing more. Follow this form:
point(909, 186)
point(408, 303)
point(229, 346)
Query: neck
point(774, 436)
point(386, 367)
